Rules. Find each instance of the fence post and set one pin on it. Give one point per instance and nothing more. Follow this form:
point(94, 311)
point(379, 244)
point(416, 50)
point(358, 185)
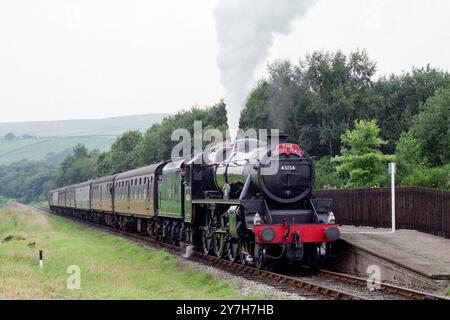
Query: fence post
point(392, 172)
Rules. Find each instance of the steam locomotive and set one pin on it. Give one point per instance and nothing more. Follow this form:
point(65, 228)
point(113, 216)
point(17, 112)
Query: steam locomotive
point(250, 201)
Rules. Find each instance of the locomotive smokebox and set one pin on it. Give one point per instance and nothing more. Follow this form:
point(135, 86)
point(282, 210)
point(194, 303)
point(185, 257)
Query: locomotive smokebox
point(275, 139)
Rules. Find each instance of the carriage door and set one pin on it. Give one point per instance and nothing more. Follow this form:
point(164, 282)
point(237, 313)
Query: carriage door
point(150, 192)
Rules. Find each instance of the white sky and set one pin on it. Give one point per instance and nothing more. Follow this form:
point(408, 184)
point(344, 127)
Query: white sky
point(62, 59)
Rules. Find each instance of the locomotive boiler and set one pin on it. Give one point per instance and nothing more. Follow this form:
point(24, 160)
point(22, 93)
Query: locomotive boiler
point(258, 205)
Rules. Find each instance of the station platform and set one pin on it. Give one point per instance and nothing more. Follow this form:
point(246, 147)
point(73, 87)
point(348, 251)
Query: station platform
point(425, 254)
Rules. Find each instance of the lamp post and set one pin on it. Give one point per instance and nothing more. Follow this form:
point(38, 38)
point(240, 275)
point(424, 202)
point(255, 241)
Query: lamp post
point(392, 170)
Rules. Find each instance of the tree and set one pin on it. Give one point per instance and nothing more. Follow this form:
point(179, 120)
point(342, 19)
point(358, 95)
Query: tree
point(436, 177)
point(9, 136)
point(121, 157)
point(314, 101)
point(78, 167)
point(326, 174)
point(318, 99)
point(396, 100)
point(80, 151)
point(256, 113)
point(361, 159)
point(432, 130)
point(408, 156)
point(157, 145)
point(26, 181)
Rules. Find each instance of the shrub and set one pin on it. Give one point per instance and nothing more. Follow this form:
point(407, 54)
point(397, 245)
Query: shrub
point(326, 175)
point(437, 177)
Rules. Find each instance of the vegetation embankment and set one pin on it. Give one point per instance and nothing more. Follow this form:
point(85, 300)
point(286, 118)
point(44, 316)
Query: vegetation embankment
point(110, 267)
point(332, 104)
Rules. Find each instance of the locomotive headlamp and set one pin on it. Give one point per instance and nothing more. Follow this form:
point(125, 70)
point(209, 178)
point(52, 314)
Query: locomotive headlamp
point(267, 234)
point(332, 233)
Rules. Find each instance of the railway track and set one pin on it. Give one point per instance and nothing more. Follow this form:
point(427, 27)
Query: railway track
point(322, 284)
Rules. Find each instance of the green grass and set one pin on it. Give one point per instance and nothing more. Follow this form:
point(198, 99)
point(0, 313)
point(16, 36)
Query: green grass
point(447, 291)
point(38, 148)
point(111, 267)
point(3, 201)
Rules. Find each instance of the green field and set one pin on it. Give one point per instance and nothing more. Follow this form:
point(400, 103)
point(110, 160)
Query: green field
point(82, 127)
point(59, 136)
point(38, 148)
point(111, 267)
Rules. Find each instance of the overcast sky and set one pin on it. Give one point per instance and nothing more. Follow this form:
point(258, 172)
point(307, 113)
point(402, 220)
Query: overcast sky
point(64, 59)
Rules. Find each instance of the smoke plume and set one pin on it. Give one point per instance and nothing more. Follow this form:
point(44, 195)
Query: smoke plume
point(245, 30)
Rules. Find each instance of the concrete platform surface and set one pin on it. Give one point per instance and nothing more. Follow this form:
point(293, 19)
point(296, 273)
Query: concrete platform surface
point(423, 253)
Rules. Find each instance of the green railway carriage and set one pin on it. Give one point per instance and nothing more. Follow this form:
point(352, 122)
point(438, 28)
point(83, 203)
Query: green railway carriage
point(102, 191)
point(171, 191)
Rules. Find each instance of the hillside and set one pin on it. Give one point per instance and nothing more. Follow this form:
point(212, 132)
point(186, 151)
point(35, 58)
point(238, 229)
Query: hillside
point(56, 137)
point(39, 148)
point(88, 127)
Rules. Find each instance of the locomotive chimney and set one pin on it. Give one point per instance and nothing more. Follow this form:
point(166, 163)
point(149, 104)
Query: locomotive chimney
point(271, 138)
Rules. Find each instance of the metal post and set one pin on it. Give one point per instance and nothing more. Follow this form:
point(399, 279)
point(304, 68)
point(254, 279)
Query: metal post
point(41, 260)
point(392, 169)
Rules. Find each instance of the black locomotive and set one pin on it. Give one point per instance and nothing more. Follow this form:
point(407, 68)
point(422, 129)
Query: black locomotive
point(249, 201)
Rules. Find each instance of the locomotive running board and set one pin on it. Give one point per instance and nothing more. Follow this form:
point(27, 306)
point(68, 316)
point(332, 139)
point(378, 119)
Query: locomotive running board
point(216, 201)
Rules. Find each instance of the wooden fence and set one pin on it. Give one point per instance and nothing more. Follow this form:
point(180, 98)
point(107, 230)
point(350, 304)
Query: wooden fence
point(421, 209)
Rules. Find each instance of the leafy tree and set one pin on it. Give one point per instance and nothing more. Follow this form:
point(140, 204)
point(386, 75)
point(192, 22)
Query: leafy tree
point(360, 158)
point(157, 145)
point(314, 101)
point(327, 176)
point(121, 157)
point(105, 164)
point(256, 113)
point(395, 100)
point(318, 99)
point(408, 156)
point(9, 136)
point(26, 181)
point(80, 151)
point(432, 130)
point(436, 177)
point(78, 167)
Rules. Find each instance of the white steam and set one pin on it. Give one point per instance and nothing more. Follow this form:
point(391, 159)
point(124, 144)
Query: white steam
point(245, 30)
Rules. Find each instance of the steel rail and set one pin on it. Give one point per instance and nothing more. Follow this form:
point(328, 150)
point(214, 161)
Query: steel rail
point(387, 287)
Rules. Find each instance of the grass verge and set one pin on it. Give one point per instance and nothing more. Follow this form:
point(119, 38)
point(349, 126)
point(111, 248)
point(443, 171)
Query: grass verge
point(111, 267)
